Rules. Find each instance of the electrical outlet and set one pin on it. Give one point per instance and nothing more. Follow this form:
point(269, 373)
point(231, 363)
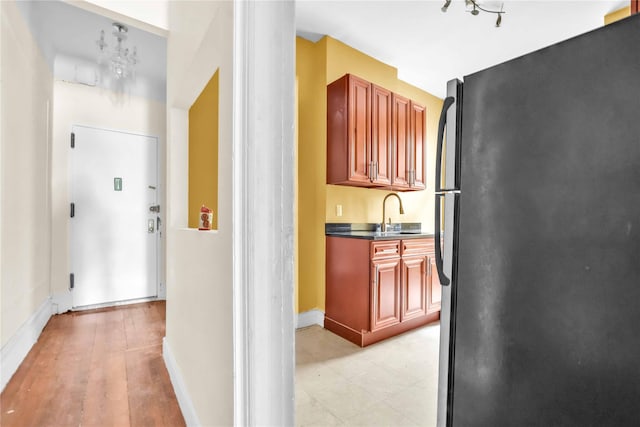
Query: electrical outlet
point(338, 210)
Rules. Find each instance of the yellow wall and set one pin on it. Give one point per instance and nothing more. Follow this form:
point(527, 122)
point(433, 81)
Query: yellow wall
point(311, 76)
point(203, 153)
point(318, 64)
point(296, 206)
point(617, 15)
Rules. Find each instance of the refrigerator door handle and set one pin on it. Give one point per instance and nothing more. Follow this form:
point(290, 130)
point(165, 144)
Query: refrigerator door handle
point(448, 102)
point(444, 280)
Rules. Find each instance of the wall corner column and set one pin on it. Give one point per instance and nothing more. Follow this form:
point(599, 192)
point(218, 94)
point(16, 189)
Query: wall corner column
point(263, 212)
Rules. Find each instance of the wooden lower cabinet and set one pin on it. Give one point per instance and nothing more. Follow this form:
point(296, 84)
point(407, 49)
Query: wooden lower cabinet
point(385, 293)
point(414, 286)
point(378, 289)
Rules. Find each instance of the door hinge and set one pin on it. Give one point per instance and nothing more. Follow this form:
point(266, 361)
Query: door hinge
point(72, 281)
point(72, 213)
point(73, 140)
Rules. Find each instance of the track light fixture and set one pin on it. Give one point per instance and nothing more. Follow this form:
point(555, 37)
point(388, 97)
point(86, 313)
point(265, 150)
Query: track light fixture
point(476, 8)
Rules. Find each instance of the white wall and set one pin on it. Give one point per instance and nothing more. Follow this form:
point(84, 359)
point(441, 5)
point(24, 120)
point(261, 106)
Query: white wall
point(26, 88)
point(230, 293)
point(77, 104)
point(152, 12)
point(88, 72)
point(199, 331)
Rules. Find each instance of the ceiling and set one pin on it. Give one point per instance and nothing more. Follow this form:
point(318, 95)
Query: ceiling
point(69, 32)
point(429, 47)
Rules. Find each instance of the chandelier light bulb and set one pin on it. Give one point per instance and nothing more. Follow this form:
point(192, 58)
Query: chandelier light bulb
point(101, 43)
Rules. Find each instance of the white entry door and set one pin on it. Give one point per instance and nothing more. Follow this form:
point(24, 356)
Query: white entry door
point(114, 237)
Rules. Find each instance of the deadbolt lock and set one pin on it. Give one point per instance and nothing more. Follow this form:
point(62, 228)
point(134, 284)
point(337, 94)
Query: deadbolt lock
point(154, 208)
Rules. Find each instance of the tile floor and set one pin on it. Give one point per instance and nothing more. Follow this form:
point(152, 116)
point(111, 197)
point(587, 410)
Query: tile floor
point(391, 383)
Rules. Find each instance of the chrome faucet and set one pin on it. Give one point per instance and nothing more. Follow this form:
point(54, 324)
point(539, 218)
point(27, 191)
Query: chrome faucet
point(384, 226)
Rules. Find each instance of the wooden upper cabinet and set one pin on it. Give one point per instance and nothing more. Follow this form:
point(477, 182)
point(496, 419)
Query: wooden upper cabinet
point(417, 180)
point(375, 138)
point(349, 131)
point(359, 151)
point(381, 135)
point(408, 135)
point(401, 136)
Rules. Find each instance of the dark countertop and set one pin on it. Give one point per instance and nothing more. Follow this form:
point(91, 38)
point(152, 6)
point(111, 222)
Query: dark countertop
point(378, 235)
point(399, 231)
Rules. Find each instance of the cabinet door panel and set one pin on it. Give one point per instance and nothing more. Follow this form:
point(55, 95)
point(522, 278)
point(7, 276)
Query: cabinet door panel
point(359, 128)
point(414, 287)
point(433, 287)
point(417, 153)
point(349, 131)
point(385, 293)
point(381, 135)
point(401, 137)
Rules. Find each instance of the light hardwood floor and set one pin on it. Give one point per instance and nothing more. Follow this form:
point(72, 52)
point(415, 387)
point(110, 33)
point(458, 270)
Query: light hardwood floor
point(95, 368)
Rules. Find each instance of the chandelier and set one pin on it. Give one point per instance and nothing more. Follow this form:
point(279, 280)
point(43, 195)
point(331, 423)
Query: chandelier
point(120, 60)
point(474, 8)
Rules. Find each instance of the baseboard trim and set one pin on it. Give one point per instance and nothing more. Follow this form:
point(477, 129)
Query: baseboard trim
point(184, 400)
point(62, 302)
point(114, 304)
point(16, 349)
point(308, 318)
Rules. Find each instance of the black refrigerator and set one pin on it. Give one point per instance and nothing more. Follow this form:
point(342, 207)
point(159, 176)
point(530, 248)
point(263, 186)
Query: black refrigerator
point(538, 199)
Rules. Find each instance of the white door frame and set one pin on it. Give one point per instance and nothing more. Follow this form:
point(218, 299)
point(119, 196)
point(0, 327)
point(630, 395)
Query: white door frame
point(263, 212)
